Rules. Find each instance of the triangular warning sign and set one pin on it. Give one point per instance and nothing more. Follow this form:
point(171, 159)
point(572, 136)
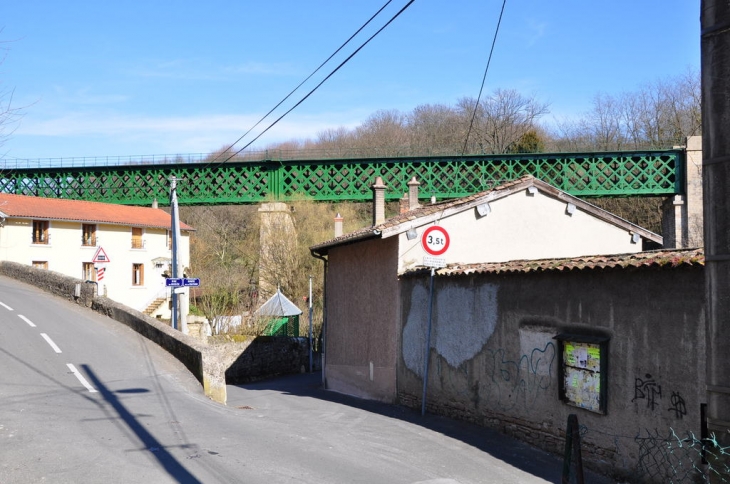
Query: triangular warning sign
point(100, 257)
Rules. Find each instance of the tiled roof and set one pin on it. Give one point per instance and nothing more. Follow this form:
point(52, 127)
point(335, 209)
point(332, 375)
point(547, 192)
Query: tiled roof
point(400, 222)
point(422, 211)
point(649, 259)
point(21, 206)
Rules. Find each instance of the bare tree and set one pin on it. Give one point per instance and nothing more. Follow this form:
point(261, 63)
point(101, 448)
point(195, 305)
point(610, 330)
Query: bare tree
point(500, 119)
point(436, 129)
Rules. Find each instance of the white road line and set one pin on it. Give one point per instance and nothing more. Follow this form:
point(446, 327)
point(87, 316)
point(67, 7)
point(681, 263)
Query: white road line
point(81, 378)
point(6, 306)
point(50, 342)
point(30, 323)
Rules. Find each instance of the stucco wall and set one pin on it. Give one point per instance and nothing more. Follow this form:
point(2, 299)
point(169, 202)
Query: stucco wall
point(362, 318)
point(494, 359)
point(65, 254)
point(522, 226)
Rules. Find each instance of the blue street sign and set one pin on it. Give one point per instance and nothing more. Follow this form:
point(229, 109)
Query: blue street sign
point(191, 282)
point(173, 281)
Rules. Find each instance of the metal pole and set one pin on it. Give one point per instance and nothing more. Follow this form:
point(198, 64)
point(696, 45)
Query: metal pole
point(175, 232)
point(310, 324)
point(427, 353)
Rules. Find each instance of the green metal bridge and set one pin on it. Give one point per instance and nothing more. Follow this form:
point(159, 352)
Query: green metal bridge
point(636, 173)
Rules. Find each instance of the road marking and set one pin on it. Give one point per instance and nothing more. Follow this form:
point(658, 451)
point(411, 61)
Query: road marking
point(81, 378)
point(50, 342)
point(30, 323)
point(6, 306)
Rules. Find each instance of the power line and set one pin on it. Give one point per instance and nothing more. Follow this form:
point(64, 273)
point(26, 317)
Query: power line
point(476, 105)
point(323, 81)
point(306, 79)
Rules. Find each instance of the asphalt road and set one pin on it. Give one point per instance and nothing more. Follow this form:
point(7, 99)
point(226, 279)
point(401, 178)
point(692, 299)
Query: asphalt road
point(83, 399)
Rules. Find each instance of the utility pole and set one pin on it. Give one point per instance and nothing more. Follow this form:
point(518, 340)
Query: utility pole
point(715, 49)
point(179, 300)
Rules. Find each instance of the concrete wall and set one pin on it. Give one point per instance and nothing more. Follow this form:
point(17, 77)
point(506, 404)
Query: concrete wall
point(522, 226)
point(494, 359)
point(362, 318)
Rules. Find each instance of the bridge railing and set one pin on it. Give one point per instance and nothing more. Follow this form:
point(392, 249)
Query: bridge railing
point(633, 173)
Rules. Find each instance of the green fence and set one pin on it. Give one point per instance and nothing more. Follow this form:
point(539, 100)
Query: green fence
point(657, 173)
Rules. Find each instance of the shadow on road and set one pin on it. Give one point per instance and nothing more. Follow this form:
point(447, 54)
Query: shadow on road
point(157, 450)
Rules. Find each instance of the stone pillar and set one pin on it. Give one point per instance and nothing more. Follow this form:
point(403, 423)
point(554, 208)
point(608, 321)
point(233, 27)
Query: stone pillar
point(278, 240)
point(693, 227)
point(683, 214)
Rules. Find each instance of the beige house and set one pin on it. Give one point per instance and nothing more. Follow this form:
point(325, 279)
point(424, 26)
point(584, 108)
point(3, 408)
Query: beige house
point(525, 219)
point(123, 249)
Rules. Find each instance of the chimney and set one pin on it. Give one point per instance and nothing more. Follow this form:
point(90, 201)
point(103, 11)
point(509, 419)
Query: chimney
point(378, 201)
point(413, 193)
point(403, 204)
point(338, 225)
point(154, 203)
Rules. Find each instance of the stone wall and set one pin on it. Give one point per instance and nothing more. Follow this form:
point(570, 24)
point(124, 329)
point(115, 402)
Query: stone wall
point(495, 360)
point(265, 356)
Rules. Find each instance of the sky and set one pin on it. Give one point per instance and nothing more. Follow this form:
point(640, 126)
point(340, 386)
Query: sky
point(123, 78)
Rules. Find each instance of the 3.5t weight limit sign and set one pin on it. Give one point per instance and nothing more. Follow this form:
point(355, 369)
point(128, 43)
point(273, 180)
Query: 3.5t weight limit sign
point(435, 240)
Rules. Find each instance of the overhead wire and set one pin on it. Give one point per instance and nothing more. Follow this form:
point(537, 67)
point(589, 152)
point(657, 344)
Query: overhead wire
point(306, 79)
point(323, 81)
point(484, 78)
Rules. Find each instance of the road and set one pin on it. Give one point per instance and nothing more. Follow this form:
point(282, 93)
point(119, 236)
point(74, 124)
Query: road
point(83, 399)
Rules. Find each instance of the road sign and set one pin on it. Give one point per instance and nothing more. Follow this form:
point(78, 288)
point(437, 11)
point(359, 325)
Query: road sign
point(173, 281)
point(191, 282)
point(436, 262)
point(100, 257)
point(435, 240)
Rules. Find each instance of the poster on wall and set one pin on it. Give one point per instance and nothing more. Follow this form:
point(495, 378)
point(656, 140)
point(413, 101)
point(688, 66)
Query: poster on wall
point(583, 371)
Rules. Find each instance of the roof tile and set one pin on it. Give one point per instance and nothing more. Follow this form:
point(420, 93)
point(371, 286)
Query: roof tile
point(22, 206)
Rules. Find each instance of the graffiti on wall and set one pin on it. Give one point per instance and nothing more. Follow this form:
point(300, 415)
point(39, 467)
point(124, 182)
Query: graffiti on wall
point(522, 381)
point(649, 390)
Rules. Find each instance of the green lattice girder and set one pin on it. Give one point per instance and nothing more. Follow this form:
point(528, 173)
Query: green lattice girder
point(586, 175)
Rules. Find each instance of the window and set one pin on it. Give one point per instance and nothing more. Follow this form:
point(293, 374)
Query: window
point(582, 372)
point(40, 264)
point(88, 235)
point(40, 231)
point(138, 274)
point(137, 242)
point(89, 273)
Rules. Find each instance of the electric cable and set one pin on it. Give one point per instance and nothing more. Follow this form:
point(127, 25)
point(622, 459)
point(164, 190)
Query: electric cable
point(323, 81)
point(479, 97)
point(305, 80)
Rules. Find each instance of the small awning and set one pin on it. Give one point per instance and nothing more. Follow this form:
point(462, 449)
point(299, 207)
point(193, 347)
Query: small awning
point(278, 305)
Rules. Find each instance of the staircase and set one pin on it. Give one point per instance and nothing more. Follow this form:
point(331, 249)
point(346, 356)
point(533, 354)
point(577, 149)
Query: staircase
point(154, 305)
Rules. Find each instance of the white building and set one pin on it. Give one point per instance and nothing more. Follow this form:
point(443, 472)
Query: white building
point(124, 249)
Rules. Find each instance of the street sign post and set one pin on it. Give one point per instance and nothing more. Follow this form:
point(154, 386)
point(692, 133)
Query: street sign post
point(436, 262)
point(174, 282)
point(435, 240)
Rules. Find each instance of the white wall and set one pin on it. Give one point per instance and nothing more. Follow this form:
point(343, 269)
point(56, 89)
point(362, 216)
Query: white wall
point(65, 254)
point(521, 226)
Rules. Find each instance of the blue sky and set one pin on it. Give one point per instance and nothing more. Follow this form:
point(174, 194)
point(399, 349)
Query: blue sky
point(162, 77)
